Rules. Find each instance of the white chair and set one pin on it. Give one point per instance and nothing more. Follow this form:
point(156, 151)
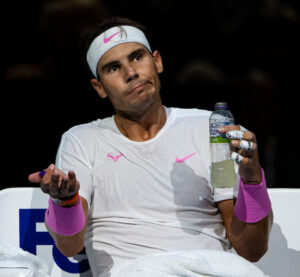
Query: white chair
point(22, 213)
point(283, 256)
point(22, 216)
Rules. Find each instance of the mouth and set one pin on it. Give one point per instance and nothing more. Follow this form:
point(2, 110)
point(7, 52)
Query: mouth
point(138, 88)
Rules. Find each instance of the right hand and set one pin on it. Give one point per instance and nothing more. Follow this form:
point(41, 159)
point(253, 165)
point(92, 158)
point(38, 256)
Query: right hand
point(56, 183)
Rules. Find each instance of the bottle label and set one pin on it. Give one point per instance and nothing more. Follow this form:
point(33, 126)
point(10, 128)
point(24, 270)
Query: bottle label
point(215, 136)
point(222, 174)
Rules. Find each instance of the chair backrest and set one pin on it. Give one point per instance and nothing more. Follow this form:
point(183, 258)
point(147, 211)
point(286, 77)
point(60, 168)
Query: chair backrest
point(22, 212)
point(283, 256)
point(22, 215)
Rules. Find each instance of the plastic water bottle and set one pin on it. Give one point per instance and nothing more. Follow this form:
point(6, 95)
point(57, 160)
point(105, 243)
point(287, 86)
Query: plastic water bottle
point(222, 174)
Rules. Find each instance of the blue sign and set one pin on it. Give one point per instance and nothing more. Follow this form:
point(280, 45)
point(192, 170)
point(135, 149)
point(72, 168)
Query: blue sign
point(30, 238)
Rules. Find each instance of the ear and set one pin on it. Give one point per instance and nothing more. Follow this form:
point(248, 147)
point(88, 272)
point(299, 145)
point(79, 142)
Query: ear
point(158, 61)
point(98, 87)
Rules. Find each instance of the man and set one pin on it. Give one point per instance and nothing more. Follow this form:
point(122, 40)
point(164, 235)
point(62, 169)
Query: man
point(144, 172)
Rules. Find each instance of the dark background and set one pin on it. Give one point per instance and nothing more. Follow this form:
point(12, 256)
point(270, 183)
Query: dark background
point(243, 52)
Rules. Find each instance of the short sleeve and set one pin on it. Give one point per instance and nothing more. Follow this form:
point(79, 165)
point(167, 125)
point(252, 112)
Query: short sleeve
point(71, 155)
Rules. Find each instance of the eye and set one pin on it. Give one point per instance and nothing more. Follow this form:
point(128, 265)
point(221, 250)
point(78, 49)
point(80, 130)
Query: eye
point(113, 68)
point(138, 57)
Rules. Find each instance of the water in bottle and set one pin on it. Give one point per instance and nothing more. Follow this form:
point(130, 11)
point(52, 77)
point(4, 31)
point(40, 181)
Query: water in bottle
point(222, 166)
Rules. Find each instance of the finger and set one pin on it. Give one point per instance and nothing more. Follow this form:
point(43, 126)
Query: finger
point(239, 159)
point(45, 180)
point(48, 174)
point(64, 186)
point(54, 186)
point(244, 145)
point(239, 134)
point(72, 182)
point(235, 134)
point(73, 189)
point(71, 174)
point(227, 128)
point(37, 176)
point(243, 129)
point(247, 145)
point(34, 177)
point(236, 157)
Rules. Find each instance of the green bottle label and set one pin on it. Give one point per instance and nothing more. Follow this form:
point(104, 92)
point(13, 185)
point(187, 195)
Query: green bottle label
point(215, 136)
point(219, 140)
point(223, 174)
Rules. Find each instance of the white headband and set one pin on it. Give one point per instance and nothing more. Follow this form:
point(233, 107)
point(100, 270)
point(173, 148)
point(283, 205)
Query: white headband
point(110, 38)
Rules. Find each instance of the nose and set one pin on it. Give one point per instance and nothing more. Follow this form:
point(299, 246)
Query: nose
point(130, 73)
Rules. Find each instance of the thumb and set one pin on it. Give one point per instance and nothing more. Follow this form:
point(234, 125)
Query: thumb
point(35, 177)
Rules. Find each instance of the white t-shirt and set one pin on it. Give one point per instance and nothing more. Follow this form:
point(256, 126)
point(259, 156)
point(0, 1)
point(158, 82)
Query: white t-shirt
point(146, 197)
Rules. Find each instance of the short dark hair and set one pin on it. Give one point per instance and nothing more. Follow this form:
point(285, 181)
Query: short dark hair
point(91, 33)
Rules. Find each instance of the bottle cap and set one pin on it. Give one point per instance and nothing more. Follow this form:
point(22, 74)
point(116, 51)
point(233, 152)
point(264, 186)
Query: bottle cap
point(221, 105)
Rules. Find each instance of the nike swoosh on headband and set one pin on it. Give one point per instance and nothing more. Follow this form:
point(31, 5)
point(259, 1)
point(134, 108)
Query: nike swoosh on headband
point(106, 40)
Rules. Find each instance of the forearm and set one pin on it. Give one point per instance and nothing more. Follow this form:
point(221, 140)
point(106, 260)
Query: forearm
point(71, 241)
point(250, 240)
point(68, 245)
point(248, 221)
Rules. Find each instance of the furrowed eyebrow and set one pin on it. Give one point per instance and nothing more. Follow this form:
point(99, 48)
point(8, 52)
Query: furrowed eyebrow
point(116, 62)
point(138, 51)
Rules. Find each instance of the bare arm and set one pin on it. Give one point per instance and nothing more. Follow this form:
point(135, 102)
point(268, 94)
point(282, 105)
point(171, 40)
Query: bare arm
point(60, 186)
point(250, 240)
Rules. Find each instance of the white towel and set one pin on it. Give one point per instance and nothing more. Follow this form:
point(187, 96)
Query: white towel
point(190, 264)
point(12, 257)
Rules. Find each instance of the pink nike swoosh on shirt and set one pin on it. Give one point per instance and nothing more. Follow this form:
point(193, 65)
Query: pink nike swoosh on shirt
point(106, 40)
point(178, 160)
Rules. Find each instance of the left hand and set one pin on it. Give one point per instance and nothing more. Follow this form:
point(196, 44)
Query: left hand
point(56, 183)
point(244, 152)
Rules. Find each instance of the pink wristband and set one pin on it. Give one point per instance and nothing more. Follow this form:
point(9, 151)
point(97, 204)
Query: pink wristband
point(253, 202)
point(65, 221)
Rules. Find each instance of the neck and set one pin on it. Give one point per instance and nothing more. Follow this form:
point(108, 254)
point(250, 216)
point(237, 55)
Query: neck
point(144, 126)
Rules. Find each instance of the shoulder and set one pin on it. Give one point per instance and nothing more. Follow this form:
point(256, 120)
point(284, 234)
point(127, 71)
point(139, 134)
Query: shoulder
point(191, 115)
point(83, 140)
point(192, 112)
point(91, 130)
